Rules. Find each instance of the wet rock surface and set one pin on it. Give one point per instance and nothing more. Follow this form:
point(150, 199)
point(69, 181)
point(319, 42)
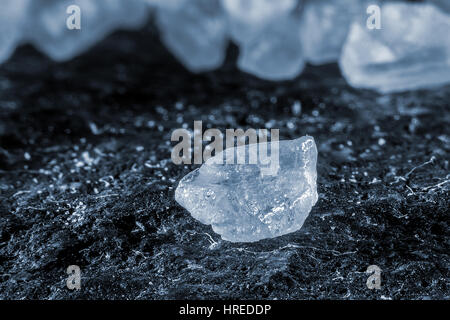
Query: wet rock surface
point(86, 179)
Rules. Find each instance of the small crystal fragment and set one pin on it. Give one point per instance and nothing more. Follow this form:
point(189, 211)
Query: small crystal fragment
point(243, 203)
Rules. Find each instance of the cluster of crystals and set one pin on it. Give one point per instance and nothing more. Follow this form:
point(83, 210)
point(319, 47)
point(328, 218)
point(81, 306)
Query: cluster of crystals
point(276, 37)
point(243, 203)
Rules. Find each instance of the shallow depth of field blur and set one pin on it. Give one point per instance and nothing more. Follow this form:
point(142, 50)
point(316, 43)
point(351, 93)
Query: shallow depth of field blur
point(86, 176)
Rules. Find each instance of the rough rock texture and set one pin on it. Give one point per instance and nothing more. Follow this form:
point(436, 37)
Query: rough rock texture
point(76, 188)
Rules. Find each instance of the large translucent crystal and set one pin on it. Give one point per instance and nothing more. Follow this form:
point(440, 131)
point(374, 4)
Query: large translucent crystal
point(13, 15)
point(47, 28)
point(195, 32)
point(410, 51)
point(243, 203)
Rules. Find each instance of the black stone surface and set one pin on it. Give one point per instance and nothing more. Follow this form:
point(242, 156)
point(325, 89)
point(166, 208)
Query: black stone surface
point(75, 190)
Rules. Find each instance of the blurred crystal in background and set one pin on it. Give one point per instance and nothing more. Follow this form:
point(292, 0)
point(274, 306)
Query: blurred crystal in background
point(267, 33)
point(168, 4)
point(246, 17)
point(411, 51)
point(48, 32)
point(195, 32)
point(324, 28)
point(274, 52)
point(275, 37)
point(12, 19)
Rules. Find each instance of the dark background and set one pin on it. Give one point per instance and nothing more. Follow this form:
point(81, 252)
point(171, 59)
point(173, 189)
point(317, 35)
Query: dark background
point(75, 189)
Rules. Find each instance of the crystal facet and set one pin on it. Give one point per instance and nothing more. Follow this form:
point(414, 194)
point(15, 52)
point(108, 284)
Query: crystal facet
point(410, 51)
point(244, 205)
